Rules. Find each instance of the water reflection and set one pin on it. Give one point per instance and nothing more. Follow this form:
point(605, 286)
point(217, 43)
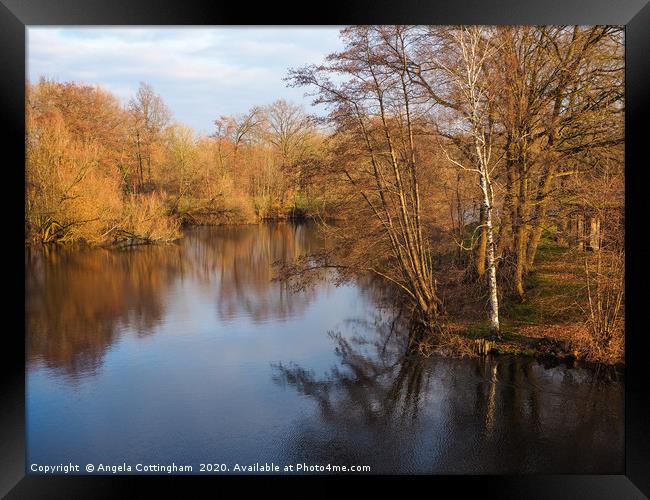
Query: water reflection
point(192, 353)
point(78, 301)
point(240, 261)
point(491, 415)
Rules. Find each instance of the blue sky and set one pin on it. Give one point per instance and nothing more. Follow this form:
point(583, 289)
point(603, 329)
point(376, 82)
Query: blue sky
point(201, 73)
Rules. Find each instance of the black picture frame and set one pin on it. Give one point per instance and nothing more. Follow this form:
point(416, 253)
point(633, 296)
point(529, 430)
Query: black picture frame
point(16, 15)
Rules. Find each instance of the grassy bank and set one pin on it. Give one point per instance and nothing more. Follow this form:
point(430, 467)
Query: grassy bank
point(555, 319)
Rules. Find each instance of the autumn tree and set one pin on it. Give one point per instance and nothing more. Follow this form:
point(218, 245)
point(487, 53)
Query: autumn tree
point(76, 159)
point(290, 131)
point(149, 116)
point(474, 102)
point(375, 116)
point(558, 92)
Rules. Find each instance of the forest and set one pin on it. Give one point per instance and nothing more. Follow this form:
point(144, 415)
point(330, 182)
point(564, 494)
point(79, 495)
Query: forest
point(477, 171)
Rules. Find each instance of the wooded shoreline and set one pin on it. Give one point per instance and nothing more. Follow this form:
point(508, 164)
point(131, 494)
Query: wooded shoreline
point(524, 334)
point(478, 170)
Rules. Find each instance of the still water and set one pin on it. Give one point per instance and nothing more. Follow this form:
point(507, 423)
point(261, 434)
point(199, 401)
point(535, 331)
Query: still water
point(191, 353)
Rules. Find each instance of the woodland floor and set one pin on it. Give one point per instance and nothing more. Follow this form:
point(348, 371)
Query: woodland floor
point(546, 323)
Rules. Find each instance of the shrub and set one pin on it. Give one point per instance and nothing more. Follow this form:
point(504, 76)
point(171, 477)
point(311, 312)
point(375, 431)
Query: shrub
point(145, 220)
point(603, 338)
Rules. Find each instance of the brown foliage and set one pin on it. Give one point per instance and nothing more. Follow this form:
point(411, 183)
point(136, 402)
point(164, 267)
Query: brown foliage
point(603, 339)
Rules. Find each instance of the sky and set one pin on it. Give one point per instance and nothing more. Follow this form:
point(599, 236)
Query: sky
point(201, 73)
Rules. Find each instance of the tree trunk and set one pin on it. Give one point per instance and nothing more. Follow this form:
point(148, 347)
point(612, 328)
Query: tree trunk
point(509, 209)
point(521, 236)
point(563, 230)
point(491, 261)
point(580, 232)
point(539, 218)
point(139, 154)
point(594, 234)
point(149, 165)
point(482, 245)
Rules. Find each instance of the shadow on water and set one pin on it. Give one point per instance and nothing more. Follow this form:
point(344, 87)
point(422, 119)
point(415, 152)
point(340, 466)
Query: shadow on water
point(503, 414)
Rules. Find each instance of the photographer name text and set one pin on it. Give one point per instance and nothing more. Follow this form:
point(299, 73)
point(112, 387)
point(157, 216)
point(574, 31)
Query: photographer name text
point(203, 468)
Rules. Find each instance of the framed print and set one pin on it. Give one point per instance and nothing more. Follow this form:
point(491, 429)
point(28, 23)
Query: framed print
point(382, 240)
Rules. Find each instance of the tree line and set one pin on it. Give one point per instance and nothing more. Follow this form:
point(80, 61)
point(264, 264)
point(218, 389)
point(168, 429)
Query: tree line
point(473, 141)
point(100, 172)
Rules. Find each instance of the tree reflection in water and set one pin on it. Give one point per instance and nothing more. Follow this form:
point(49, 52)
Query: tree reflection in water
point(79, 301)
point(201, 309)
point(380, 407)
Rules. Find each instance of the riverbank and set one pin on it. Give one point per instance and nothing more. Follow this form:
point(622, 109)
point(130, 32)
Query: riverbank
point(121, 238)
point(552, 322)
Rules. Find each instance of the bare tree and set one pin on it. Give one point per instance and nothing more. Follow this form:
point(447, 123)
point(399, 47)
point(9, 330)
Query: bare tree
point(289, 129)
point(149, 117)
point(468, 76)
point(373, 115)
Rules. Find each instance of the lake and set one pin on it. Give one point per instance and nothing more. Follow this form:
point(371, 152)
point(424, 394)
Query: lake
point(191, 353)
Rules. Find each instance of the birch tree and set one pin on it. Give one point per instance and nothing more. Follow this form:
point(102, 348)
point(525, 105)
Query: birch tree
point(469, 79)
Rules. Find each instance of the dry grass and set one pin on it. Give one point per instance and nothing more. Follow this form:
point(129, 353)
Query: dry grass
point(145, 220)
point(578, 309)
point(454, 344)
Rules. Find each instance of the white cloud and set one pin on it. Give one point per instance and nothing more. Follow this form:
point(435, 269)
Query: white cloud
point(200, 72)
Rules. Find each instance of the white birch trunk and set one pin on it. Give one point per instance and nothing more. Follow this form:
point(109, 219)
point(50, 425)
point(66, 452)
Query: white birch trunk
point(490, 255)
